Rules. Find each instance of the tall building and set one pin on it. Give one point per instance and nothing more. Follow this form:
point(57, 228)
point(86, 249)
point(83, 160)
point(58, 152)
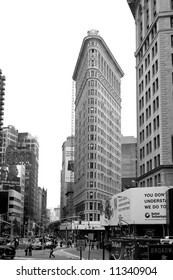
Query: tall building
point(22, 149)
point(97, 168)
point(67, 179)
point(30, 145)
point(9, 139)
point(129, 162)
point(154, 72)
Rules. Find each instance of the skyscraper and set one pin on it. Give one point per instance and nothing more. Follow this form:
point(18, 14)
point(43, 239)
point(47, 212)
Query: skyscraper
point(97, 168)
point(30, 144)
point(154, 72)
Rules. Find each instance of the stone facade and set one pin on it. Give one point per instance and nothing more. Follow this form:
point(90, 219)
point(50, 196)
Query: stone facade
point(97, 127)
point(154, 66)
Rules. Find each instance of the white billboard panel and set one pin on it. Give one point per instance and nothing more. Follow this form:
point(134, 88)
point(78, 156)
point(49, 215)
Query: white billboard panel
point(136, 206)
point(149, 205)
point(69, 164)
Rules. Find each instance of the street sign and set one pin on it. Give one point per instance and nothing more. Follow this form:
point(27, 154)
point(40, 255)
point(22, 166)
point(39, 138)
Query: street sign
point(81, 245)
point(91, 236)
point(160, 252)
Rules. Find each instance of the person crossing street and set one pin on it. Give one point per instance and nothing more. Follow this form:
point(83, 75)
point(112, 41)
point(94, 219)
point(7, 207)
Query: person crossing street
point(51, 252)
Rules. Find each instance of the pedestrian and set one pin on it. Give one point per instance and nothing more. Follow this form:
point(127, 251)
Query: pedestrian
point(97, 245)
point(51, 252)
point(26, 250)
point(15, 244)
point(30, 249)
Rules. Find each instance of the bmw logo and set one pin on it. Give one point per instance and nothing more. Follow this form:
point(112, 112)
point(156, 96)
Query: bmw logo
point(147, 215)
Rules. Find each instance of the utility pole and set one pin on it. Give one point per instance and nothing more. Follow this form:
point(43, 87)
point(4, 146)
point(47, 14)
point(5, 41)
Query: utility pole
point(11, 232)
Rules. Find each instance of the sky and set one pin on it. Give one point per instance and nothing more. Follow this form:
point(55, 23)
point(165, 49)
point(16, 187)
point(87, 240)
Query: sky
point(39, 46)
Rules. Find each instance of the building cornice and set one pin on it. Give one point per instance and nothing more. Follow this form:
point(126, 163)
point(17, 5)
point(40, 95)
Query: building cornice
point(157, 169)
point(80, 56)
point(133, 5)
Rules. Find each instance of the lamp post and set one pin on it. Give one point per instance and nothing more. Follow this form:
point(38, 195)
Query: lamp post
point(11, 232)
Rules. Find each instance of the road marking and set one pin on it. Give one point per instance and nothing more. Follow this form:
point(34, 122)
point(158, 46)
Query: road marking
point(71, 254)
point(22, 258)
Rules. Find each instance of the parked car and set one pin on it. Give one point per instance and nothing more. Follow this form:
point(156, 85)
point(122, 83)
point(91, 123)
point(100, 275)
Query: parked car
point(167, 240)
point(49, 244)
point(37, 245)
point(7, 252)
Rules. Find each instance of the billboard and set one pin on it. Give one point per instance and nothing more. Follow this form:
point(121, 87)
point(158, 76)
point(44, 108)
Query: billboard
point(136, 206)
point(11, 176)
point(69, 164)
point(109, 212)
point(148, 205)
point(3, 172)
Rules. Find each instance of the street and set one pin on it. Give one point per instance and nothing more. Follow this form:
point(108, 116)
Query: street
point(63, 253)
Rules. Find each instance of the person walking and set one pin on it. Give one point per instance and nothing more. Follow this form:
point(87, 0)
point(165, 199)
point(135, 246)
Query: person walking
point(26, 250)
point(51, 252)
point(30, 249)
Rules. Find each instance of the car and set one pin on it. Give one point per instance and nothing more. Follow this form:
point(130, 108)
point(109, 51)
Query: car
point(37, 245)
point(49, 244)
point(167, 240)
point(7, 252)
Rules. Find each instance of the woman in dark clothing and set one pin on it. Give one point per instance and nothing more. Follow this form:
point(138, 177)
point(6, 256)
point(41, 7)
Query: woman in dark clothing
point(51, 252)
point(30, 249)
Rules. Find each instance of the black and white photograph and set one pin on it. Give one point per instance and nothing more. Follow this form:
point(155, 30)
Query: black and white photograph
point(86, 136)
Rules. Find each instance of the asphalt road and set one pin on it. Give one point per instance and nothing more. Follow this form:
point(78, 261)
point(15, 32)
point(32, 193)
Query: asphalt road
point(63, 253)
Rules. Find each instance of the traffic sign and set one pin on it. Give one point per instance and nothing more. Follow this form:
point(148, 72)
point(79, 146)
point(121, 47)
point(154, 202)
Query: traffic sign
point(91, 236)
point(81, 245)
point(160, 252)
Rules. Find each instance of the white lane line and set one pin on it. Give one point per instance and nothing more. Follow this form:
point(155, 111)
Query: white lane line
point(71, 254)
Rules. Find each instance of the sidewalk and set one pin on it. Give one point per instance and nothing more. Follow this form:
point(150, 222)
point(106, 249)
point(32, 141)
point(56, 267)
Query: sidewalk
point(35, 253)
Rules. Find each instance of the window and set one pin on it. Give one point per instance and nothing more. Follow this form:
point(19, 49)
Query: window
point(172, 146)
point(91, 184)
point(157, 84)
point(155, 145)
point(152, 52)
point(91, 217)
point(157, 121)
point(158, 160)
point(158, 141)
point(154, 124)
point(171, 22)
point(154, 88)
point(91, 195)
point(172, 41)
